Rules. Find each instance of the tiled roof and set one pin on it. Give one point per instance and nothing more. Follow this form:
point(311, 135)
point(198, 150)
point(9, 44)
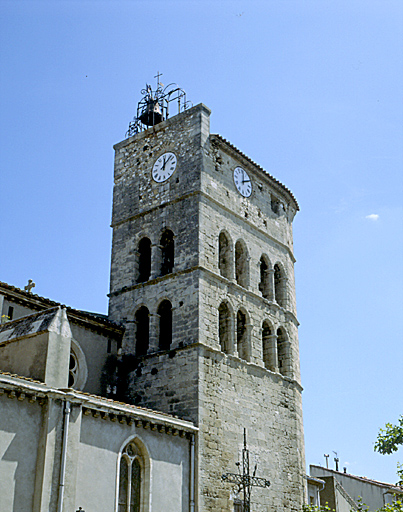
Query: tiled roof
point(38, 302)
point(93, 401)
point(216, 136)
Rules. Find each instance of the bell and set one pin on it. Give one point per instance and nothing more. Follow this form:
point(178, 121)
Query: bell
point(151, 114)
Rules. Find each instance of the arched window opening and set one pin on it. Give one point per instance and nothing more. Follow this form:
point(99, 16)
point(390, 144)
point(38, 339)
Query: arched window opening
point(282, 352)
point(264, 284)
point(167, 252)
point(144, 260)
point(224, 328)
point(130, 476)
point(241, 336)
point(224, 256)
point(142, 331)
point(268, 346)
point(165, 334)
point(241, 264)
point(279, 286)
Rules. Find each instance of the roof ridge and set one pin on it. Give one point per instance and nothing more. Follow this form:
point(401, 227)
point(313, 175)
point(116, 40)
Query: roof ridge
point(222, 139)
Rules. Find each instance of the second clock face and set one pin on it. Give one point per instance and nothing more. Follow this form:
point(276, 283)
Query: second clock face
point(164, 167)
point(242, 182)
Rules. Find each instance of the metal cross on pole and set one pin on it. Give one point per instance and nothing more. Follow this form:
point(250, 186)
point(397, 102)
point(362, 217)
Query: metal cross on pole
point(245, 481)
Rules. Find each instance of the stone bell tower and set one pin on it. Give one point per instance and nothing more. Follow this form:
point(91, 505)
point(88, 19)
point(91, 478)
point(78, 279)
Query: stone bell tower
point(202, 277)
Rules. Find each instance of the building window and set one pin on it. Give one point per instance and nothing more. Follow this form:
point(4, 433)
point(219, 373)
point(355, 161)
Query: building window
point(265, 284)
point(224, 328)
point(165, 334)
point(242, 336)
point(241, 264)
point(142, 331)
point(78, 371)
point(282, 352)
point(238, 505)
point(144, 260)
point(267, 346)
point(130, 475)
point(225, 255)
point(279, 286)
point(167, 252)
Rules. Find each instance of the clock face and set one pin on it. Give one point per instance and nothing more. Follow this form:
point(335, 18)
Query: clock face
point(242, 182)
point(164, 167)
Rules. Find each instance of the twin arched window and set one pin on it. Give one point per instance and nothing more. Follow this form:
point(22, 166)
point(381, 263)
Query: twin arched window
point(275, 345)
point(225, 260)
point(275, 348)
point(225, 331)
point(272, 284)
point(166, 256)
point(133, 478)
point(142, 328)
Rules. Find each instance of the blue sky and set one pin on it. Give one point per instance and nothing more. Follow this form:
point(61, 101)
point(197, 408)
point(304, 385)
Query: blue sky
point(309, 89)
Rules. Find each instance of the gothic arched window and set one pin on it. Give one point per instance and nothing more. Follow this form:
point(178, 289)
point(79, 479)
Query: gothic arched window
point(241, 264)
point(224, 328)
point(144, 269)
point(131, 479)
point(225, 255)
point(242, 336)
point(167, 252)
point(142, 331)
point(165, 334)
point(279, 286)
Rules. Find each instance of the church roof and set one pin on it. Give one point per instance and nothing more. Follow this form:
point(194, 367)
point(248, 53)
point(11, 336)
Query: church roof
point(276, 183)
point(25, 387)
point(31, 300)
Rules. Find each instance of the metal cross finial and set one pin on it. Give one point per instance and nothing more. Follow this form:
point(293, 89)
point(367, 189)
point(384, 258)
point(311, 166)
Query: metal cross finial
point(29, 286)
point(157, 76)
point(245, 481)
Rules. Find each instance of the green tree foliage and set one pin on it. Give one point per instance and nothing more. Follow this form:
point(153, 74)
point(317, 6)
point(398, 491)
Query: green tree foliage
point(390, 438)
point(315, 508)
point(396, 506)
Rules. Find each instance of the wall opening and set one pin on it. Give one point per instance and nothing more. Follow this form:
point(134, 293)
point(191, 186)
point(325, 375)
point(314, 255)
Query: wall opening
point(224, 328)
point(165, 334)
point(267, 346)
point(282, 351)
point(279, 286)
point(242, 336)
point(144, 260)
point(225, 255)
point(131, 479)
point(264, 284)
point(241, 264)
point(167, 252)
point(142, 331)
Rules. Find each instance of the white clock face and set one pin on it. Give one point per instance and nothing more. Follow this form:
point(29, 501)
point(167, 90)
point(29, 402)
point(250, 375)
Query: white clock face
point(164, 167)
point(242, 182)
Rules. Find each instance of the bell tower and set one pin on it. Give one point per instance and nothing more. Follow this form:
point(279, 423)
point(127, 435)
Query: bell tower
point(202, 278)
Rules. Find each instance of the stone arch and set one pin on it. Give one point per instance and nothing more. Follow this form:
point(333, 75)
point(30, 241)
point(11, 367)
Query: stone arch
point(265, 283)
point(144, 260)
point(225, 255)
point(269, 346)
point(280, 285)
point(243, 334)
point(167, 246)
point(241, 263)
point(133, 476)
point(142, 321)
point(78, 371)
point(283, 352)
point(164, 312)
point(225, 327)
